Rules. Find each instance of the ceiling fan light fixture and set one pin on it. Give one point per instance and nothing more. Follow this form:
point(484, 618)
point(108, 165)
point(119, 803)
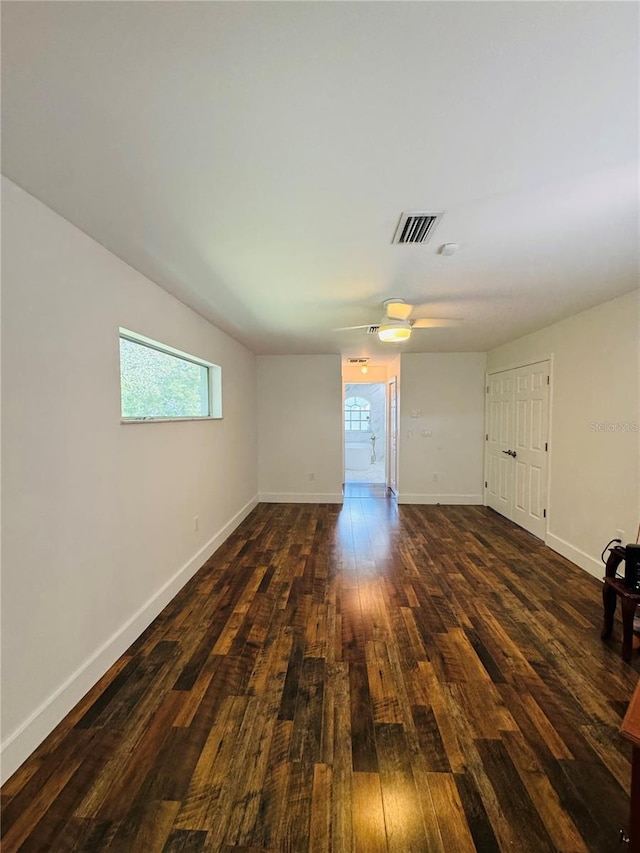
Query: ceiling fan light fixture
point(394, 332)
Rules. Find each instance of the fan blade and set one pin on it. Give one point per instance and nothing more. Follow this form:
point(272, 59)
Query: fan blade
point(435, 322)
point(350, 328)
point(398, 310)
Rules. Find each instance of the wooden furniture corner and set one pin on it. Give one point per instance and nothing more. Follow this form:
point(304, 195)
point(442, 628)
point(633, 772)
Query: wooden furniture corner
point(613, 589)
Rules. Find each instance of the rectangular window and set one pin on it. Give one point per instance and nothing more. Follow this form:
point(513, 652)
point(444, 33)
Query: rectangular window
point(158, 382)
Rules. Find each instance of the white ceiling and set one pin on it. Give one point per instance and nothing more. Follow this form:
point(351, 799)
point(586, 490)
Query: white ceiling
point(253, 159)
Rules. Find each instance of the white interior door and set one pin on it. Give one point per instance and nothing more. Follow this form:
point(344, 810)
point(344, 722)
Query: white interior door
point(530, 443)
point(499, 416)
point(392, 476)
point(517, 445)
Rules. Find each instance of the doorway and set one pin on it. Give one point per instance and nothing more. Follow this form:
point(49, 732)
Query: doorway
point(517, 445)
point(365, 438)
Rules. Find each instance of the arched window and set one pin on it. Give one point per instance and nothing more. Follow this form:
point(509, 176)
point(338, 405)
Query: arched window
point(357, 414)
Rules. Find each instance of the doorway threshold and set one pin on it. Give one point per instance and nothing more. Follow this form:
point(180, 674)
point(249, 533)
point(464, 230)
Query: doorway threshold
point(367, 490)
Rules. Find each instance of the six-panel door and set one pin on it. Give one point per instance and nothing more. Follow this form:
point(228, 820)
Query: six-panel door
point(517, 445)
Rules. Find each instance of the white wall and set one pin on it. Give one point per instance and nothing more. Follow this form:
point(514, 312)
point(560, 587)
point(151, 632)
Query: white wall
point(300, 428)
point(594, 474)
point(448, 390)
point(98, 530)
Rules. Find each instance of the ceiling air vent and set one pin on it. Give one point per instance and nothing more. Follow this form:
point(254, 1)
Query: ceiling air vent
point(358, 360)
point(373, 330)
point(416, 227)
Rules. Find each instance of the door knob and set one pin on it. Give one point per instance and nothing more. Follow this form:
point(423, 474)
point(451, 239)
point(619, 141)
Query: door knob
point(510, 453)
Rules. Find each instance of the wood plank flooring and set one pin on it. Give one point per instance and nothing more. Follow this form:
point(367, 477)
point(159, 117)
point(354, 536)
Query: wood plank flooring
point(351, 679)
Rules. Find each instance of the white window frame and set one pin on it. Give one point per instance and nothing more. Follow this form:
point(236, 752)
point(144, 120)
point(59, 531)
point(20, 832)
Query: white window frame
point(360, 410)
point(214, 380)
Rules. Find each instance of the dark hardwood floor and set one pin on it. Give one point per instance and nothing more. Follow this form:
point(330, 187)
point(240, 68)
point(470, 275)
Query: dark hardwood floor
point(360, 678)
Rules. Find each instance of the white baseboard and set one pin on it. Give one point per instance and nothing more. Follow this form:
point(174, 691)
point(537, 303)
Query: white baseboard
point(19, 745)
point(590, 564)
point(301, 497)
point(469, 500)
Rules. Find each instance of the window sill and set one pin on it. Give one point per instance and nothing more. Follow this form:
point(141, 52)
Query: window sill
point(166, 420)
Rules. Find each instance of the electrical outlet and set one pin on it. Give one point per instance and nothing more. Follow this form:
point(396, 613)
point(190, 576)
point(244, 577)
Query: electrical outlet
point(195, 523)
point(312, 476)
point(426, 433)
point(620, 534)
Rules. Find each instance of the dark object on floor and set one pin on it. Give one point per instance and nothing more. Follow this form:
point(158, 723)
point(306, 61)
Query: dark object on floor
point(632, 568)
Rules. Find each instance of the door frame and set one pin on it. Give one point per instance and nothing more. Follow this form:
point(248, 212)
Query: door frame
point(503, 369)
point(392, 428)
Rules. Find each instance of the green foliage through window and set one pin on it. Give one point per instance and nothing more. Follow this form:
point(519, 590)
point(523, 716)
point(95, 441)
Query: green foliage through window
point(157, 384)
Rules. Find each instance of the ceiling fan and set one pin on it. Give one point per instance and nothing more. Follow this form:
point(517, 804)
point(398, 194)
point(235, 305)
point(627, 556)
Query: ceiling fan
point(396, 325)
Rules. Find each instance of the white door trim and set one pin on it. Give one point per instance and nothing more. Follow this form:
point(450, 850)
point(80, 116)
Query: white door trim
point(392, 436)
